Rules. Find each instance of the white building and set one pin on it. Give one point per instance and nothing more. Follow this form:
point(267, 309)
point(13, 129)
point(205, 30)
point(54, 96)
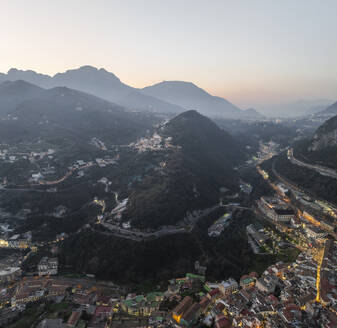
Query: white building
point(48, 266)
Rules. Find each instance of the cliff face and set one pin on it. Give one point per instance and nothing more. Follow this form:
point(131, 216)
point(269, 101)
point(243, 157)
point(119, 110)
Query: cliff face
point(326, 135)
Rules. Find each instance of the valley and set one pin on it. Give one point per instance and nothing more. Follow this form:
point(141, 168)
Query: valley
point(137, 198)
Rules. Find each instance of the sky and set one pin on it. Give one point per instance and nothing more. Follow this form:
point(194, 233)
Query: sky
point(255, 53)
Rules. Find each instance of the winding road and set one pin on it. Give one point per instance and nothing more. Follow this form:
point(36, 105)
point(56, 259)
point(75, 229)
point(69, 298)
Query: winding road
point(318, 168)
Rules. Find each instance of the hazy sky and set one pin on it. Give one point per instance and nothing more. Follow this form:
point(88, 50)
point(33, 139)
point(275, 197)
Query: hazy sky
point(252, 52)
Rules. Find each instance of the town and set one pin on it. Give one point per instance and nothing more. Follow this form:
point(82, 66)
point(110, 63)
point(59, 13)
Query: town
point(286, 294)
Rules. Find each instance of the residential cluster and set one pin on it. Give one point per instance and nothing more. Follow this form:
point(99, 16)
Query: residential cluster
point(12, 155)
point(299, 294)
point(19, 241)
point(154, 143)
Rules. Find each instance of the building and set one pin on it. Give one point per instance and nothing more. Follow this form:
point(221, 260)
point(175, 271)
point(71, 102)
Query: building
point(247, 282)
point(276, 209)
point(222, 322)
point(9, 274)
point(314, 232)
point(201, 270)
point(229, 286)
point(282, 189)
point(142, 305)
point(219, 225)
point(259, 237)
point(181, 308)
point(283, 214)
point(327, 226)
point(186, 312)
point(73, 319)
point(214, 294)
point(204, 304)
point(16, 242)
point(51, 323)
point(191, 315)
point(266, 284)
point(310, 218)
point(48, 266)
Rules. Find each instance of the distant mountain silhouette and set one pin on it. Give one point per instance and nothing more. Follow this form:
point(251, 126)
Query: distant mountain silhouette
point(14, 93)
point(97, 82)
point(252, 113)
point(167, 97)
point(190, 96)
point(30, 112)
point(30, 76)
point(330, 110)
point(301, 107)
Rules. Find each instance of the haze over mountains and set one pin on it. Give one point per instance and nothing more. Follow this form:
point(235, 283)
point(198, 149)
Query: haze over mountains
point(301, 107)
point(60, 111)
point(331, 110)
point(195, 158)
point(167, 97)
point(188, 95)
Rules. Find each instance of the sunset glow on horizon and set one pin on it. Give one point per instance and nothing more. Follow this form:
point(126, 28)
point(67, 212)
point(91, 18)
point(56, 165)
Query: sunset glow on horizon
point(253, 53)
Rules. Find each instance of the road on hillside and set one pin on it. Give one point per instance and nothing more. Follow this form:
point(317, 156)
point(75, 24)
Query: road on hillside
point(318, 168)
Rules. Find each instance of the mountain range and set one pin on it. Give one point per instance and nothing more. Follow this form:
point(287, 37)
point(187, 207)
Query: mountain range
point(165, 97)
point(162, 186)
point(30, 112)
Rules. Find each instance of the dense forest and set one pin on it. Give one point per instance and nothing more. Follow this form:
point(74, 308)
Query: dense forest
point(124, 260)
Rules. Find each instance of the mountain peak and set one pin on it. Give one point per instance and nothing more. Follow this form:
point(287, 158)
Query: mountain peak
point(167, 96)
point(27, 75)
point(14, 70)
point(193, 124)
point(180, 86)
point(192, 113)
point(253, 113)
point(92, 69)
point(188, 95)
point(178, 83)
point(88, 68)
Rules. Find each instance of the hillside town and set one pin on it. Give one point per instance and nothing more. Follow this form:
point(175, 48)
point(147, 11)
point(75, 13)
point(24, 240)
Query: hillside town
point(289, 223)
point(301, 293)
